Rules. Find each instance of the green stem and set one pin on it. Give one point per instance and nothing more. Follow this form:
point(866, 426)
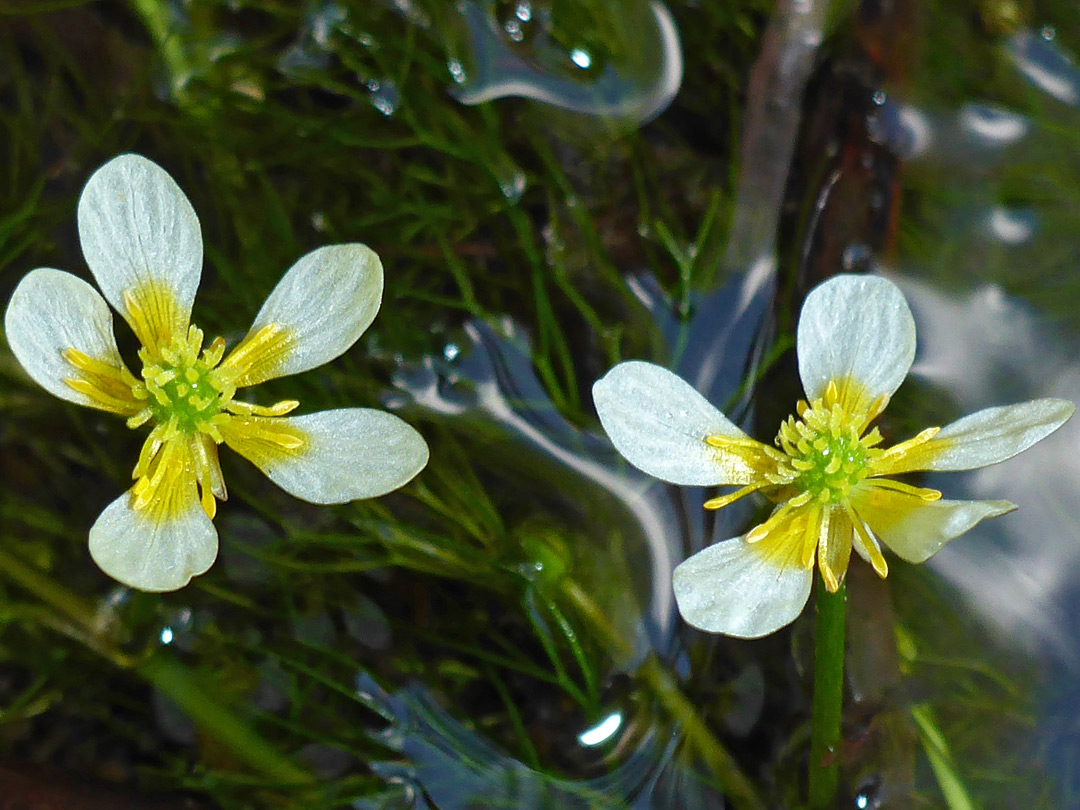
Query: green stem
point(828, 697)
point(74, 607)
point(738, 788)
point(181, 686)
point(159, 21)
point(941, 761)
point(179, 683)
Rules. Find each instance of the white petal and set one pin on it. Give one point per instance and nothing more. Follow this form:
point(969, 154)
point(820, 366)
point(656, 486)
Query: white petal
point(733, 588)
point(137, 228)
point(915, 529)
point(659, 423)
point(855, 328)
point(51, 311)
point(987, 437)
point(150, 553)
point(323, 303)
point(349, 454)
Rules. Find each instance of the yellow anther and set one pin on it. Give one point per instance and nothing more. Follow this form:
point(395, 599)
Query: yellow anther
point(801, 499)
point(140, 419)
point(214, 352)
point(725, 500)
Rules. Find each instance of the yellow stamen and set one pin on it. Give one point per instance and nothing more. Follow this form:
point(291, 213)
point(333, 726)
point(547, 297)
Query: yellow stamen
point(761, 531)
point(724, 500)
point(900, 456)
point(834, 547)
point(811, 533)
point(249, 409)
point(868, 542)
point(208, 473)
point(163, 487)
point(189, 397)
point(741, 459)
point(925, 494)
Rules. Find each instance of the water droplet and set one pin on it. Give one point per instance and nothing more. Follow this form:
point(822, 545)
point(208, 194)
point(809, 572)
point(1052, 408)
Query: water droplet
point(866, 794)
point(602, 731)
point(166, 635)
point(1013, 227)
point(411, 12)
point(993, 126)
point(451, 351)
point(514, 186)
point(581, 58)
point(457, 71)
point(880, 97)
point(513, 30)
point(384, 95)
point(325, 21)
point(1048, 32)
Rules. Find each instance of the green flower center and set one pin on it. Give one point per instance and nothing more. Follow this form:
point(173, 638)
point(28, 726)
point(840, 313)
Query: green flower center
point(825, 454)
point(179, 384)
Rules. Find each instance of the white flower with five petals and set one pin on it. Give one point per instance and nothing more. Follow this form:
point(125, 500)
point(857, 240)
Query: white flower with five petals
point(825, 471)
point(143, 244)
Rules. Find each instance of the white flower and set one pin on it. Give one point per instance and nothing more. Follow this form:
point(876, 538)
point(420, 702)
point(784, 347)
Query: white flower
point(826, 473)
point(142, 241)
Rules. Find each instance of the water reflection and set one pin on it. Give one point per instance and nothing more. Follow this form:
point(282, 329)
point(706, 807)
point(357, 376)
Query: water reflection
point(992, 125)
point(450, 767)
point(519, 54)
point(1045, 64)
point(491, 385)
point(1021, 573)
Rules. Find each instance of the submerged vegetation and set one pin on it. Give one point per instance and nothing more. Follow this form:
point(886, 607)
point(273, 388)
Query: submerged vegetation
point(467, 640)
